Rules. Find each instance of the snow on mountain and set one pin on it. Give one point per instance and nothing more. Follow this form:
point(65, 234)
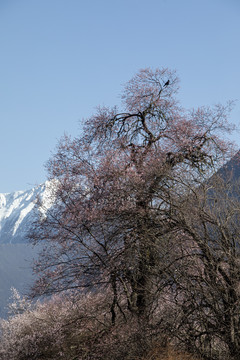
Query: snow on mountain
point(16, 255)
point(17, 212)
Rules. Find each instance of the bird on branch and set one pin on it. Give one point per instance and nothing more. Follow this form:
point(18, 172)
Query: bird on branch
point(166, 83)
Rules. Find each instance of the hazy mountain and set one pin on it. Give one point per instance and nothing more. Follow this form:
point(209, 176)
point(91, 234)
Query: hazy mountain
point(231, 170)
point(16, 254)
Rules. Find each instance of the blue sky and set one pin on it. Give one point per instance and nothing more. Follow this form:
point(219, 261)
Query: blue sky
point(61, 58)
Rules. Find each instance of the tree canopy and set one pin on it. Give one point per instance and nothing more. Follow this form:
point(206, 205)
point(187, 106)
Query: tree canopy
point(121, 197)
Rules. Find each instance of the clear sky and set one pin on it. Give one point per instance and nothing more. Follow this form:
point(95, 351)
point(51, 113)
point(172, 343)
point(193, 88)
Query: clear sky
point(59, 59)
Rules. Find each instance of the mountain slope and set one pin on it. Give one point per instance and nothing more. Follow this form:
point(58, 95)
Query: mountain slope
point(17, 212)
point(231, 170)
point(16, 255)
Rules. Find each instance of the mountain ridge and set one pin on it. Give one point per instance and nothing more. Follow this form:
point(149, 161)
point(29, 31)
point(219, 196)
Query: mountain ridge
point(17, 212)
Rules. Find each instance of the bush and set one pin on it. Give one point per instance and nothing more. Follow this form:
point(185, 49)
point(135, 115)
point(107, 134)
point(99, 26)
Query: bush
point(72, 327)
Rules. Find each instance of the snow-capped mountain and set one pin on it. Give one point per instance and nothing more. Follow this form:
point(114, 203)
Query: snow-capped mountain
point(17, 212)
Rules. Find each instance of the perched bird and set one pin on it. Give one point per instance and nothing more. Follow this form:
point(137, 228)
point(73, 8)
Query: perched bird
point(166, 83)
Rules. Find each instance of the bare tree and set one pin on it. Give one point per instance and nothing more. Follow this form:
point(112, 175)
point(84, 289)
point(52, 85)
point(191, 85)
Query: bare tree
point(206, 276)
point(112, 221)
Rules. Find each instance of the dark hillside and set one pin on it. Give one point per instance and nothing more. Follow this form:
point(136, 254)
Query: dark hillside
point(231, 170)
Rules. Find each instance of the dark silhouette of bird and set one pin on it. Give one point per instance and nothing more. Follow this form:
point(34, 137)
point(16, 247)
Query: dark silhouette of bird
point(166, 83)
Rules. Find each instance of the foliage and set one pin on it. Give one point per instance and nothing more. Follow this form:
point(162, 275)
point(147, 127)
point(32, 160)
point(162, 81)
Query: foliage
point(134, 218)
point(18, 304)
point(73, 327)
point(207, 277)
point(111, 212)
